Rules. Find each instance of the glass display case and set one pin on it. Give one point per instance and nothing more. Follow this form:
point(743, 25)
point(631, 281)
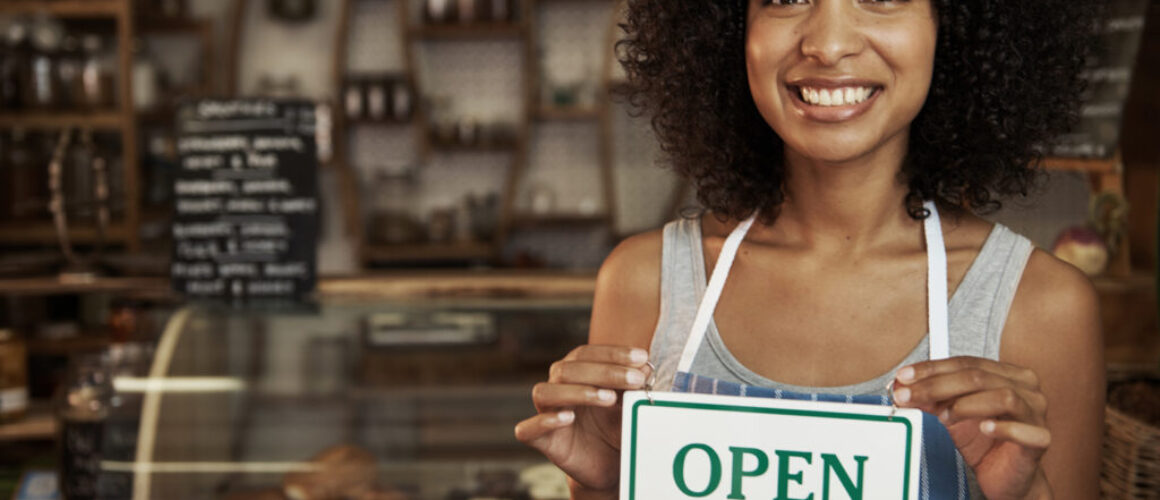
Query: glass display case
point(398, 399)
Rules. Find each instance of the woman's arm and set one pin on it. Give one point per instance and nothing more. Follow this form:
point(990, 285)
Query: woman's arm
point(1054, 330)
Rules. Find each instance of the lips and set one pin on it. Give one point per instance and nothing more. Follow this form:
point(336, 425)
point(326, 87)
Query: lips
point(833, 100)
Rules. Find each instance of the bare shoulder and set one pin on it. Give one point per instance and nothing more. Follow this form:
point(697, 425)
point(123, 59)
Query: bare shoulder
point(627, 301)
point(1055, 306)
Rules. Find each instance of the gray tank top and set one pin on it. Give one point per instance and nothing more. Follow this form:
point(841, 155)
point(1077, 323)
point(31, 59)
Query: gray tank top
point(977, 311)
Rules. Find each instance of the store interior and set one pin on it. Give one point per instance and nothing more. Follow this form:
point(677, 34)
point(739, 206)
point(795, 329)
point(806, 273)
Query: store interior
point(470, 165)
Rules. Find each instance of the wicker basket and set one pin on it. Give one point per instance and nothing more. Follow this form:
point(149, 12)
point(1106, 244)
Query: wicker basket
point(1131, 454)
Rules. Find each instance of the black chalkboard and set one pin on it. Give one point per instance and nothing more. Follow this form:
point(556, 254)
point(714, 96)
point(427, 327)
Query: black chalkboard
point(246, 208)
point(1109, 78)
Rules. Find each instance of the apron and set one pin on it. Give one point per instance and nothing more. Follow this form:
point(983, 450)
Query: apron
point(943, 472)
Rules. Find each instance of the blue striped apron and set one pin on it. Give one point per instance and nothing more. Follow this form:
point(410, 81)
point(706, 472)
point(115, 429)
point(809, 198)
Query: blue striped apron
point(943, 473)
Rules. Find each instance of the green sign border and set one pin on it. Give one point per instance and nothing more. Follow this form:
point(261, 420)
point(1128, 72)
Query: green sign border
point(777, 411)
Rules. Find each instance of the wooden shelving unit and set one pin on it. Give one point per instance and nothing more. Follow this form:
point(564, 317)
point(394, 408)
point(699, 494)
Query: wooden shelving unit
point(119, 120)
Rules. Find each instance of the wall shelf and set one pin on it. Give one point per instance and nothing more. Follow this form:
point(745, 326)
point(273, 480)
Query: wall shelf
point(566, 114)
point(63, 8)
point(107, 120)
point(427, 252)
point(44, 233)
point(466, 31)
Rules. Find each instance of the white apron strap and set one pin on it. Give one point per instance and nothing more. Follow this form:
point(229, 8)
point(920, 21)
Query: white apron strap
point(713, 293)
point(936, 258)
point(936, 285)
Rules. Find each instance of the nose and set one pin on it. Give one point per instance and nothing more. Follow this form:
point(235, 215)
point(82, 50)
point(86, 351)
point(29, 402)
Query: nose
point(831, 33)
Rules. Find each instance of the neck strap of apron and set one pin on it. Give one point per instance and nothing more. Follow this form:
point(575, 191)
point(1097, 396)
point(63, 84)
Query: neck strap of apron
point(936, 260)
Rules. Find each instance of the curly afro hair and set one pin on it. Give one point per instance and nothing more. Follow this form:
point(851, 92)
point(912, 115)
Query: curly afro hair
point(1007, 80)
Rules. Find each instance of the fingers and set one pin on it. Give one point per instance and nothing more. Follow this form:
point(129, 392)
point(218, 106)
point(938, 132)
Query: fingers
point(549, 396)
point(1008, 404)
point(613, 354)
point(1026, 435)
point(533, 431)
point(938, 389)
point(597, 374)
point(919, 371)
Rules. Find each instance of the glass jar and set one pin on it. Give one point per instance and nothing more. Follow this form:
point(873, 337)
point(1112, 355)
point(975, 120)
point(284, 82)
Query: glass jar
point(394, 192)
point(13, 377)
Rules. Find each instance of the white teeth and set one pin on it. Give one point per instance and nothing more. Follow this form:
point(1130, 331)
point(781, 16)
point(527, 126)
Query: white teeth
point(836, 97)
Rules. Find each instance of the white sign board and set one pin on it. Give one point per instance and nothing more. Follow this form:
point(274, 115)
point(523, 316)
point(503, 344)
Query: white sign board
point(727, 447)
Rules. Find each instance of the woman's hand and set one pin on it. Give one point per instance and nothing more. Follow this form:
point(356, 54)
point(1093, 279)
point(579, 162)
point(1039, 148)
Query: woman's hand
point(996, 414)
point(578, 422)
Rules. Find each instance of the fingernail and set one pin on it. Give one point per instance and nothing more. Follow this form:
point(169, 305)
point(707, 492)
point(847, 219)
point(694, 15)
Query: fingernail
point(945, 416)
point(565, 416)
point(634, 378)
point(902, 395)
point(605, 395)
point(906, 375)
point(638, 356)
point(988, 426)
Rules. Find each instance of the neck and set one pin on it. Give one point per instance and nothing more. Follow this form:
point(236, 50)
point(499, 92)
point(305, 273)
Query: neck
point(850, 205)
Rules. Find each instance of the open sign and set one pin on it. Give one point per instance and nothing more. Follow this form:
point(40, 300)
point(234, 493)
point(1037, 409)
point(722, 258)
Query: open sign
point(681, 445)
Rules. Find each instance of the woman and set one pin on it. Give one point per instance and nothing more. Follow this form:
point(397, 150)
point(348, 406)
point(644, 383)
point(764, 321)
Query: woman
point(831, 122)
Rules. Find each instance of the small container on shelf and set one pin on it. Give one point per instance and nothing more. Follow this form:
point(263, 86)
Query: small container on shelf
point(97, 73)
point(42, 92)
point(402, 100)
point(439, 11)
point(13, 376)
point(353, 100)
point(15, 65)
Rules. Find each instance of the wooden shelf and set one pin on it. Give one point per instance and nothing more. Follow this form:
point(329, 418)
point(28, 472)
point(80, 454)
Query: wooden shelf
point(166, 26)
point(106, 120)
point(54, 285)
point(529, 221)
point(1088, 165)
point(427, 252)
point(45, 233)
point(466, 31)
point(573, 113)
point(69, 346)
point(39, 424)
point(63, 8)
point(443, 147)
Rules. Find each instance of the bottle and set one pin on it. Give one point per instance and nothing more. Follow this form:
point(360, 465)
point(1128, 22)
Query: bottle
point(69, 71)
point(14, 66)
point(43, 90)
point(82, 409)
point(28, 176)
point(13, 376)
point(96, 73)
point(145, 78)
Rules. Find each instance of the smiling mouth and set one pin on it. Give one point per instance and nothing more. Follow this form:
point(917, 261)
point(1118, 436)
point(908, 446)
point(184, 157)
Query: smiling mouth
point(834, 97)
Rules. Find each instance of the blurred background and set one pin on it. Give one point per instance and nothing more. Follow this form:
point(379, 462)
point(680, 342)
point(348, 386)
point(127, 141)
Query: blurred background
point(474, 165)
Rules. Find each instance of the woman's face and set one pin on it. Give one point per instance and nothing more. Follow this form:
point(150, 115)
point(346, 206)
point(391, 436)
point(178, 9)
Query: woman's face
point(839, 79)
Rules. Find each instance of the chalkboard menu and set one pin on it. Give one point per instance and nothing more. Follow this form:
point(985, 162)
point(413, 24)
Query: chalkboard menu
point(246, 208)
point(1109, 77)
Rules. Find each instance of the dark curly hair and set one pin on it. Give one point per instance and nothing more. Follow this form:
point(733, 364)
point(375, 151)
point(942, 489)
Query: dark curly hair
point(1007, 80)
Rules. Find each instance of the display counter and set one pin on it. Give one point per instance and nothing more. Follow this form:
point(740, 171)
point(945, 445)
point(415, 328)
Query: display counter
point(370, 397)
